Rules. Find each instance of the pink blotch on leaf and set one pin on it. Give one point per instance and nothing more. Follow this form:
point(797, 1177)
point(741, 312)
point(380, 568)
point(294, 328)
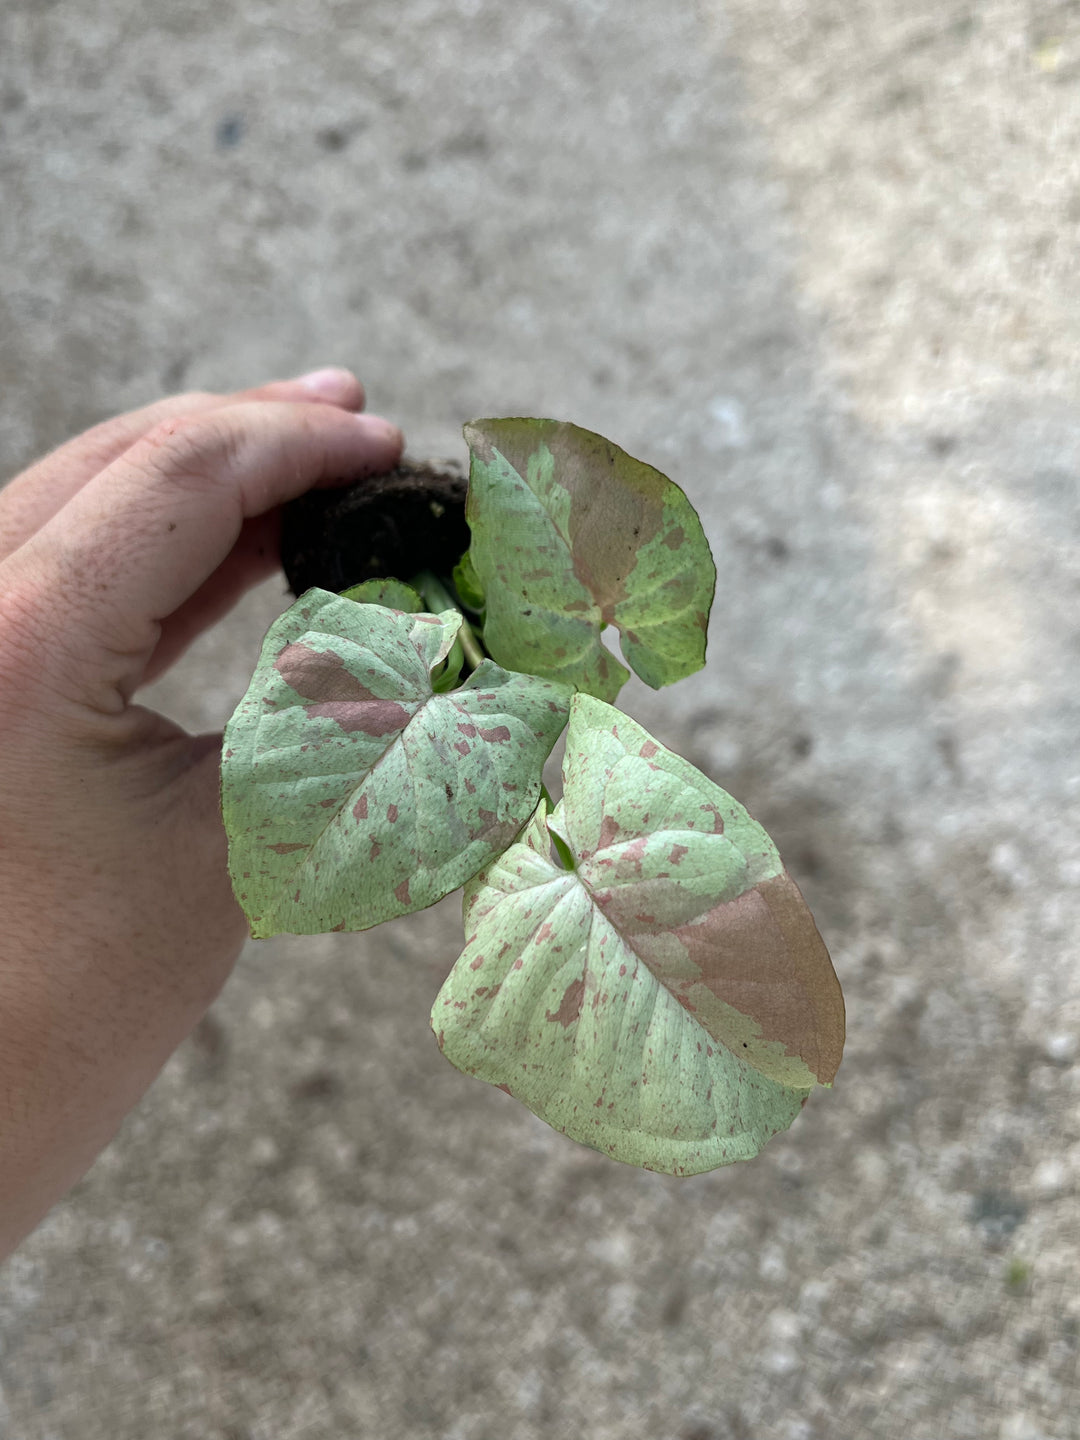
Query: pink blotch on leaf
point(570, 1008)
point(337, 693)
point(718, 819)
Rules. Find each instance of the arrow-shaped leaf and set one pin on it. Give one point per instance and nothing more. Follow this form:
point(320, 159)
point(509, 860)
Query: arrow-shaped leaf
point(351, 791)
point(570, 534)
point(668, 999)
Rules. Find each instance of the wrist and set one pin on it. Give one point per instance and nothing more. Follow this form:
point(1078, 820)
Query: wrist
point(89, 1014)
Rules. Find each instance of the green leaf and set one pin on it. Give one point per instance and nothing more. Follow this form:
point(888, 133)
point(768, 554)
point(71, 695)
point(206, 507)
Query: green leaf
point(467, 584)
point(394, 594)
point(570, 534)
point(445, 676)
point(669, 999)
point(351, 791)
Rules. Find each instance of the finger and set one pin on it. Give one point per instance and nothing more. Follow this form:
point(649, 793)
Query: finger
point(33, 497)
point(253, 558)
point(143, 536)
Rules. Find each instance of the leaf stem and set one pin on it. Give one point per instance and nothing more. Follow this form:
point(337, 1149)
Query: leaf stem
point(439, 598)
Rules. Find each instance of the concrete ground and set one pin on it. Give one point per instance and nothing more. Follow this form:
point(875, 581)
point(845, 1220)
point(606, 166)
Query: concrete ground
point(818, 263)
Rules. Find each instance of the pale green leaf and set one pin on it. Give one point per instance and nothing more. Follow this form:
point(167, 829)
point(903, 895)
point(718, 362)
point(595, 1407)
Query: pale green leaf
point(569, 535)
point(667, 1000)
point(351, 791)
point(394, 594)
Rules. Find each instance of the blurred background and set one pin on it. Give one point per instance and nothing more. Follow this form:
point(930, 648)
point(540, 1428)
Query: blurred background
point(817, 261)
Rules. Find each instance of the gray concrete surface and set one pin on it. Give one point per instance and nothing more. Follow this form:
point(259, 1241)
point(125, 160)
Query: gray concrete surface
point(818, 262)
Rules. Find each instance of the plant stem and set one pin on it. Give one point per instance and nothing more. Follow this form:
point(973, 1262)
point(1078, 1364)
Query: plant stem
point(439, 598)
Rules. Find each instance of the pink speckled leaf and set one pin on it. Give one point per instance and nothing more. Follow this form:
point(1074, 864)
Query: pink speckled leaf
point(351, 791)
point(569, 535)
point(663, 996)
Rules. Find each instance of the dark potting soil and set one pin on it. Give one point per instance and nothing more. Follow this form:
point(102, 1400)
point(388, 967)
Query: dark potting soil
point(411, 519)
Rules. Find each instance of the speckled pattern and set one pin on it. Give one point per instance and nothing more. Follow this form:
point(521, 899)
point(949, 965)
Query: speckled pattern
point(341, 813)
point(655, 989)
point(817, 262)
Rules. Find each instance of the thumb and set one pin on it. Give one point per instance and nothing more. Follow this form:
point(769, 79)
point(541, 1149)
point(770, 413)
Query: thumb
point(142, 537)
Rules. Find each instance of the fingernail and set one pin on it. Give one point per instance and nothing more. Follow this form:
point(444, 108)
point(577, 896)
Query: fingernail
point(382, 430)
point(329, 383)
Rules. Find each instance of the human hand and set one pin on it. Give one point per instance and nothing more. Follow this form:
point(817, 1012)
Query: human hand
point(119, 924)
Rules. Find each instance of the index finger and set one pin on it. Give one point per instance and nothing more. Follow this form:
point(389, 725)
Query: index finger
point(32, 498)
point(143, 536)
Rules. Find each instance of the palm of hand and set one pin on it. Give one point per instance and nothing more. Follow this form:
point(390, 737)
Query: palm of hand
point(116, 551)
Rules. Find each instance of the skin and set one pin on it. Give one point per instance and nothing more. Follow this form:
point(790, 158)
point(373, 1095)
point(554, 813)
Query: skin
point(119, 925)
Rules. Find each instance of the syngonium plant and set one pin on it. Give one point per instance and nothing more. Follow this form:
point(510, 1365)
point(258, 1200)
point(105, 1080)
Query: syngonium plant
point(639, 969)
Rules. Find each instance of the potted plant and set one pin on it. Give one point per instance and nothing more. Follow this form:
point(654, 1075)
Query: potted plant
point(638, 967)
